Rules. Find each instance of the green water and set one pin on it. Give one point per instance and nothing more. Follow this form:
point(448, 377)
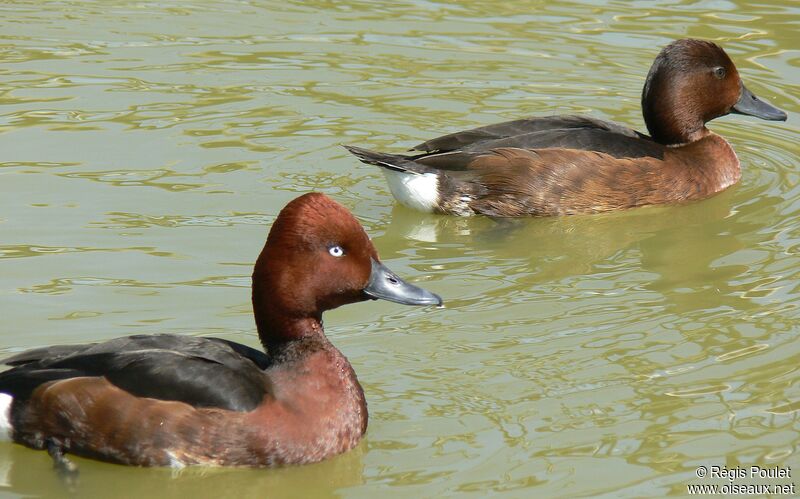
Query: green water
point(147, 146)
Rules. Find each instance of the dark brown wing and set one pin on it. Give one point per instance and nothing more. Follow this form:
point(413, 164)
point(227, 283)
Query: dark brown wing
point(455, 151)
point(590, 140)
point(551, 131)
point(202, 372)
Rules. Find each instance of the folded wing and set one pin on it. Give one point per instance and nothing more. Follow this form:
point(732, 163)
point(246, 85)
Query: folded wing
point(202, 372)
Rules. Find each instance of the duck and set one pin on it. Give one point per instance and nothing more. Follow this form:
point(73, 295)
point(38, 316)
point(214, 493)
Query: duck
point(176, 400)
point(575, 164)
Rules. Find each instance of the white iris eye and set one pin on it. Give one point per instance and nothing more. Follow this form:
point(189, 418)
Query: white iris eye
point(336, 251)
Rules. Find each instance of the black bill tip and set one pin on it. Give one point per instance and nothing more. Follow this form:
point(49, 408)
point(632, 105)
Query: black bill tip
point(386, 285)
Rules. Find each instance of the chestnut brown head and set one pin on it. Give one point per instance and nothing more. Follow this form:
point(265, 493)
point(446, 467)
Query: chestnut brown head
point(690, 83)
point(318, 257)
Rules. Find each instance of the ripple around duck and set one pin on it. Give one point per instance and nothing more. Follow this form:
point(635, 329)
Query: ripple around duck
point(27, 251)
point(136, 220)
point(127, 178)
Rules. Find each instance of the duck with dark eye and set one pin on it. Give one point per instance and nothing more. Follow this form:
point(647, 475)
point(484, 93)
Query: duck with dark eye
point(169, 400)
point(565, 165)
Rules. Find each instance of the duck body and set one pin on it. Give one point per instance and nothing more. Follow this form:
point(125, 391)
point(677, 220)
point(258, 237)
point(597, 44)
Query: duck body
point(170, 400)
point(563, 165)
point(167, 400)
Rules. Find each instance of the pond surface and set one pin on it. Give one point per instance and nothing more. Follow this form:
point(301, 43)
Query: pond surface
point(147, 146)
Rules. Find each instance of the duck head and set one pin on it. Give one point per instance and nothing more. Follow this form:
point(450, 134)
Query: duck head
point(690, 83)
point(318, 257)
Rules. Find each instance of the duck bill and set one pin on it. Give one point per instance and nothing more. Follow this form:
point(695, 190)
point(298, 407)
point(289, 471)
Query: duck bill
point(753, 106)
point(386, 285)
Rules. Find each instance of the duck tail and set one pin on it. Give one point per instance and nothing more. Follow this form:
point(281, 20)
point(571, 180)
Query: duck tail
point(394, 162)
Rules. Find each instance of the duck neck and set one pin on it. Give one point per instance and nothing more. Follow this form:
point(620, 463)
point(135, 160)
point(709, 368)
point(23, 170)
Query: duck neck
point(673, 113)
point(299, 350)
point(672, 123)
point(671, 130)
point(276, 329)
point(284, 310)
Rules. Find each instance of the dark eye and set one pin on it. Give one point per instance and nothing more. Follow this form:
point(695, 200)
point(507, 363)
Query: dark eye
point(336, 251)
point(720, 72)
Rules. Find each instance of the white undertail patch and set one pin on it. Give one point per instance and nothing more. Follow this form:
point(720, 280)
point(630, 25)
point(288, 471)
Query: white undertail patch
point(415, 190)
point(174, 461)
point(5, 416)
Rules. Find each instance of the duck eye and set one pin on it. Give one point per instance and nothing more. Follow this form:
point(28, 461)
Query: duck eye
point(336, 251)
point(719, 72)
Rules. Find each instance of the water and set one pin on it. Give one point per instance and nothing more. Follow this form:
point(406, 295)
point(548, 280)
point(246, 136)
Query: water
point(147, 147)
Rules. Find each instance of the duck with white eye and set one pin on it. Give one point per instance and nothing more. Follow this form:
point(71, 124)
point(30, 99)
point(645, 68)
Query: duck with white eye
point(219, 403)
point(386, 285)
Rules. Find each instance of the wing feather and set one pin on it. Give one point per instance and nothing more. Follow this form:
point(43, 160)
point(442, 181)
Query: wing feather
point(203, 372)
